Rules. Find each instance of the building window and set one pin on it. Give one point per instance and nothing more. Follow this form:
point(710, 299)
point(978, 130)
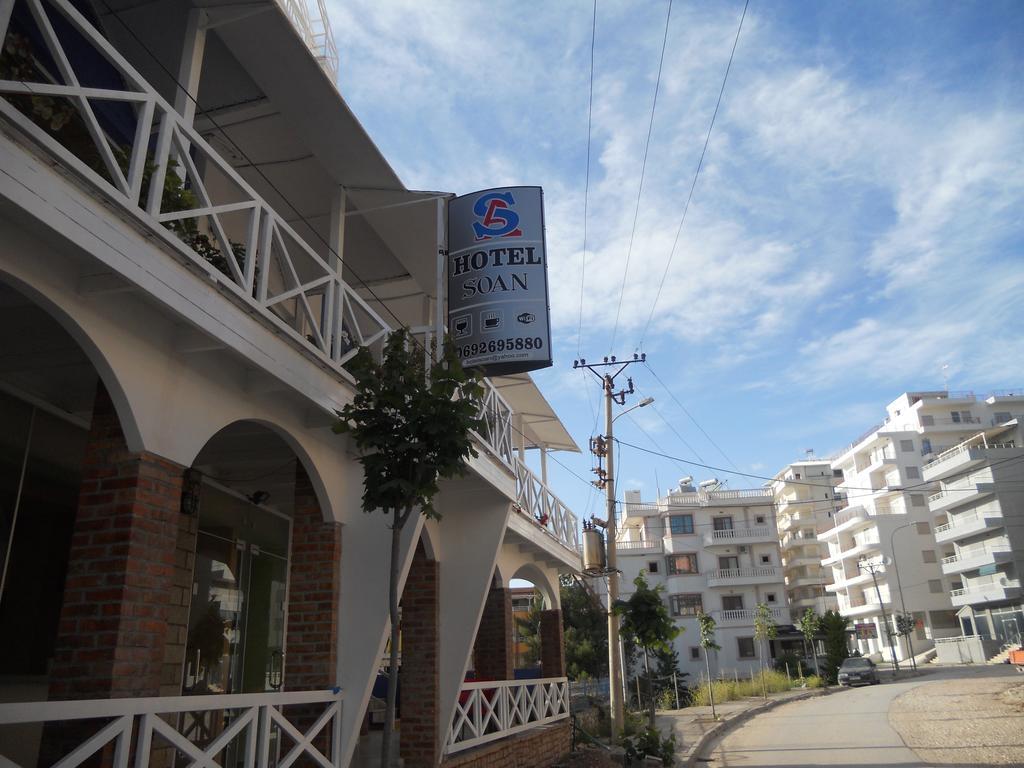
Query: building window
point(927, 420)
point(923, 528)
point(759, 519)
point(928, 555)
point(728, 563)
point(652, 566)
point(745, 647)
point(694, 653)
point(682, 564)
point(680, 524)
point(722, 523)
point(913, 473)
point(732, 602)
point(837, 473)
point(1001, 417)
point(770, 597)
point(956, 416)
point(935, 585)
point(926, 446)
point(686, 605)
point(906, 445)
point(766, 559)
point(916, 500)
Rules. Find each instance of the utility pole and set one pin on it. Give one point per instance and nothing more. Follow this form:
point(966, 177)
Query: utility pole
point(872, 568)
point(606, 479)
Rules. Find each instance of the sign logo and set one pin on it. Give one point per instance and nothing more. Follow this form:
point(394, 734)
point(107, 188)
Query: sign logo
point(497, 219)
point(526, 318)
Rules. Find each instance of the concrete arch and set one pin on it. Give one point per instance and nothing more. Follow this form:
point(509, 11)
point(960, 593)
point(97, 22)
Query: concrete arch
point(104, 370)
point(531, 572)
point(428, 539)
point(293, 444)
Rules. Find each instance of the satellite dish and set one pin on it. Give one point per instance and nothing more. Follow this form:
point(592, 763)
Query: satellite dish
point(886, 560)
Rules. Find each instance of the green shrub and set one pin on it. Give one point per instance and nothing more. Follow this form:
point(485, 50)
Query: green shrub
point(648, 742)
point(813, 681)
point(731, 690)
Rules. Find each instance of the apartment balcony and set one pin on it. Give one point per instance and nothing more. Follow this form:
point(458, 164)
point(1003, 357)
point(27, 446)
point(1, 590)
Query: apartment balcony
point(744, 617)
point(798, 539)
point(739, 498)
point(857, 551)
point(820, 603)
point(932, 424)
point(543, 521)
point(801, 560)
point(859, 606)
point(999, 588)
point(731, 577)
point(958, 496)
point(845, 520)
point(978, 556)
point(634, 513)
point(966, 456)
point(806, 580)
point(840, 584)
point(735, 536)
point(640, 546)
point(968, 524)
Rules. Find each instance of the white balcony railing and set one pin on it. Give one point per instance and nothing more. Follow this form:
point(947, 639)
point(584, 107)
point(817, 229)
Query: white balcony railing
point(746, 615)
point(487, 711)
point(644, 544)
point(536, 500)
point(233, 235)
point(309, 17)
point(729, 535)
point(737, 575)
point(206, 730)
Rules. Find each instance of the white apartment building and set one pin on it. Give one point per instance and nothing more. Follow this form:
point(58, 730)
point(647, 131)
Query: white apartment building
point(979, 516)
point(882, 551)
point(713, 550)
point(804, 495)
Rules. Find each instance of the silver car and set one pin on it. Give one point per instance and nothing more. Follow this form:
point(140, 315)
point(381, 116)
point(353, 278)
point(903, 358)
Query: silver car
point(858, 671)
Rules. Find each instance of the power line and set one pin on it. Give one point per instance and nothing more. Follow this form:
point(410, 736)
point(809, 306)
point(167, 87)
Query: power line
point(674, 430)
point(643, 170)
point(586, 186)
point(690, 415)
point(696, 175)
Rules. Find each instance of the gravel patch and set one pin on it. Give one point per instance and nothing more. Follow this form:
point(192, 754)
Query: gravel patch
point(958, 722)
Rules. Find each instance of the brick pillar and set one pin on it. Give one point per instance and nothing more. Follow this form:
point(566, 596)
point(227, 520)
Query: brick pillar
point(117, 613)
point(492, 649)
point(552, 644)
point(311, 643)
point(419, 685)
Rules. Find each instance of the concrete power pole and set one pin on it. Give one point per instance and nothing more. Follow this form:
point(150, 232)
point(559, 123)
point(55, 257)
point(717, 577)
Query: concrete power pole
point(607, 481)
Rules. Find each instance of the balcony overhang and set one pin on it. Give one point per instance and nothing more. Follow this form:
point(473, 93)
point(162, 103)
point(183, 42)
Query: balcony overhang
point(541, 426)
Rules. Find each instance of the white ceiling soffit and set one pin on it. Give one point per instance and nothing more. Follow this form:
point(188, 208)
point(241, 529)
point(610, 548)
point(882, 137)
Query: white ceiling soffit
point(541, 424)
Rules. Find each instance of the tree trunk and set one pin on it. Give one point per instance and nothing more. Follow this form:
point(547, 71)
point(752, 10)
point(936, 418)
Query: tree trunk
point(760, 650)
point(389, 712)
point(650, 690)
point(814, 653)
point(711, 688)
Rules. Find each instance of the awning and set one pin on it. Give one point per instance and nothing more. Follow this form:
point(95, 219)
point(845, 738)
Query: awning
point(541, 425)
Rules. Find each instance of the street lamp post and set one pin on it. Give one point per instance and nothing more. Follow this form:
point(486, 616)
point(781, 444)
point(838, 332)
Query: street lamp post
point(899, 587)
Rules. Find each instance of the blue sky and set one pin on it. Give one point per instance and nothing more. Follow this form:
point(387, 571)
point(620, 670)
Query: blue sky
point(858, 222)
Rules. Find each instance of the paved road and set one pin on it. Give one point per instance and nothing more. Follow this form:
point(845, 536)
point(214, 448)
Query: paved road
point(845, 728)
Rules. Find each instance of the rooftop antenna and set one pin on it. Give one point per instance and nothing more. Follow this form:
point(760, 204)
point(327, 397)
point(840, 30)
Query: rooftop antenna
point(809, 453)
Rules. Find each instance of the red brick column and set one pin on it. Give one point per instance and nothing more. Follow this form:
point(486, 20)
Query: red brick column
point(116, 615)
point(311, 639)
point(492, 649)
point(419, 685)
point(552, 644)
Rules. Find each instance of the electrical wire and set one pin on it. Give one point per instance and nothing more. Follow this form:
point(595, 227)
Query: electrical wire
point(696, 175)
point(689, 415)
point(643, 171)
point(669, 424)
point(586, 186)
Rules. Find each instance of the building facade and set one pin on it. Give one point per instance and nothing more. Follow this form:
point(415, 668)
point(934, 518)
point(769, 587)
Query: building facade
point(195, 239)
point(804, 494)
point(712, 550)
point(882, 544)
point(979, 514)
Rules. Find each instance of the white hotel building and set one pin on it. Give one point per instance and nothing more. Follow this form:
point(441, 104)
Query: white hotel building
point(888, 525)
point(712, 550)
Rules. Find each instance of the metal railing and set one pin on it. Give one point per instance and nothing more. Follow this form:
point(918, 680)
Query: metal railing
point(309, 17)
point(746, 615)
point(203, 729)
point(708, 498)
point(497, 429)
point(974, 550)
point(491, 710)
point(840, 518)
point(234, 236)
point(965, 446)
point(730, 534)
point(538, 502)
point(979, 585)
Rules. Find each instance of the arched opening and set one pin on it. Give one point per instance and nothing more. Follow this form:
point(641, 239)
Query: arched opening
point(532, 599)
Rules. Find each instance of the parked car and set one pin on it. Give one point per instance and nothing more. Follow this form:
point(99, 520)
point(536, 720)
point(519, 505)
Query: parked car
point(858, 671)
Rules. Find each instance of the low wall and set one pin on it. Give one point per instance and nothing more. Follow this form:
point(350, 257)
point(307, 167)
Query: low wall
point(537, 748)
point(965, 650)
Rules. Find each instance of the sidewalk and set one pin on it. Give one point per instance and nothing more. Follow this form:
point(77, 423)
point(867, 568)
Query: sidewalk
point(694, 728)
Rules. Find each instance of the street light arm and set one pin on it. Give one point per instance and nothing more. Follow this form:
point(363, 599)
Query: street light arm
point(642, 404)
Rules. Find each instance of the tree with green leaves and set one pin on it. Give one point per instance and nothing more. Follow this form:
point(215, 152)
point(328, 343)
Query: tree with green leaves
point(412, 424)
point(646, 621)
point(809, 625)
point(765, 630)
point(585, 626)
point(833, 627)
point(708, 643)
point(905, 626)
point(528, 630)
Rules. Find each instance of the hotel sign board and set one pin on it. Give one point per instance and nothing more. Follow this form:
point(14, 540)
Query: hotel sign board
point(498, 312)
